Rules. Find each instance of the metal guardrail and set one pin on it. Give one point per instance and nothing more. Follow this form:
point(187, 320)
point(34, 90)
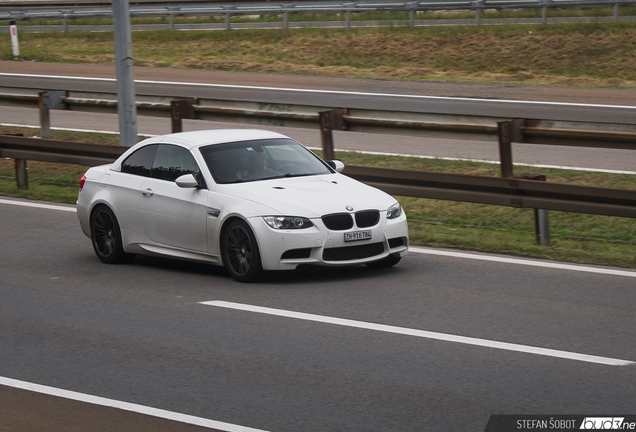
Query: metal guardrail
point(286, 8)
point(505, 191)
point(511, 192)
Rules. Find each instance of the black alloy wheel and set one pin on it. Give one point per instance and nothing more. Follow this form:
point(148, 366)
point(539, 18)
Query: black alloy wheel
point(106, 237)
point(241, 256)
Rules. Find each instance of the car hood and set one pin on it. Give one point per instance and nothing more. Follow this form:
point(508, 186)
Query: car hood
point(311, 196)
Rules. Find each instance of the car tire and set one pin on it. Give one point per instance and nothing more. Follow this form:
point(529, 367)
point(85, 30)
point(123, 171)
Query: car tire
point(241, 256)
point(106, 237)
point(386, 262)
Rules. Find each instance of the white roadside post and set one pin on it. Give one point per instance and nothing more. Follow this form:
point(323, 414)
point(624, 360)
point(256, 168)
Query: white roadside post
point(126, 107)
point(13, 28)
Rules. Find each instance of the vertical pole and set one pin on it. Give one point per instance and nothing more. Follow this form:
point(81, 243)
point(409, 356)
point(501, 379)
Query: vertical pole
point(21, 177)
point(126, 107)
point(505, 148)
point(175, 114)
point(411, 18)
point(65, 23)
point(171, 22)
point(477, 16)
point(45, 117)
point(544, 12)
point(348, 20)
point(286, 20)
point(616, 12)
point(542, 227)
point(227, 22)
point(326, 135)
point(13, 28)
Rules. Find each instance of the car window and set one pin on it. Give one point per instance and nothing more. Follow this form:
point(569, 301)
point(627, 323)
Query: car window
point(261, 160)
point(140, 162)
point(171, 162)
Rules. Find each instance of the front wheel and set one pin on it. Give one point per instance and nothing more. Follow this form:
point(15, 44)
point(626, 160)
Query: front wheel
point(241, 256)
point(389, 261)
point(106, 237)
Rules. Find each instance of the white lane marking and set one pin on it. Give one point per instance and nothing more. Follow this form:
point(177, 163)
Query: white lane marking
point(338, 92)
point(527, 262)
point(422, 333)
point(563, 167)
point(38, 205)
point(126, 406)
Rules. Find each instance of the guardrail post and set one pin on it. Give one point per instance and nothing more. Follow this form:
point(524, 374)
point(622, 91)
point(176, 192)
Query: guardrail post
point(542, 226)
point(616, 12)
point(411, 18)
point(348, 20)
point(544, 12)
point(477, 4)
point(509, 132)
point(505, 149)
point(286, 20)
point(21, 177)
point(541, 218)
point(65, 23)
point(171, 22)
point(330, 121)
point(326, 135)
point(227, 22)
point(181, 109)
point(45, 116)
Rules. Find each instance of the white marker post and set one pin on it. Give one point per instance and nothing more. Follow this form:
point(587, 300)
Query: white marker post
point(14, 39)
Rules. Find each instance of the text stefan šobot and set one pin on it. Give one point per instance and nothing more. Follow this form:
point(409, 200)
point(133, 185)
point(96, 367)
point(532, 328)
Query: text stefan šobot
point(588, 423)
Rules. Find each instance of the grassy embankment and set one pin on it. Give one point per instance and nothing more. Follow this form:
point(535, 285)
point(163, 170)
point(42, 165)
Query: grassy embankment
point(573, 54)
point(575, 237)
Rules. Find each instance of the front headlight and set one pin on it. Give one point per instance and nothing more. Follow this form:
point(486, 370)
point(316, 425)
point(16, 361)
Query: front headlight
point(394, 211)
point(287, 222)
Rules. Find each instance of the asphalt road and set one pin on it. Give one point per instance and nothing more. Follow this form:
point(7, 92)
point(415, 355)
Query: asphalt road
point(599, 105)
point(139, 333)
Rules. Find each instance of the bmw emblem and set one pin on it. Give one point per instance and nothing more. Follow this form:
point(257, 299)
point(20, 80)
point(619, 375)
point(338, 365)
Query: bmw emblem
point(349, 208)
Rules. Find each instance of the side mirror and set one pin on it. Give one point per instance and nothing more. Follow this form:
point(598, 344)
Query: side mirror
point(336, 164)
point(187, 181)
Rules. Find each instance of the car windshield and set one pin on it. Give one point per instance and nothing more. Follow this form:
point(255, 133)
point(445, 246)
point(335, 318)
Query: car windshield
point(254, 160)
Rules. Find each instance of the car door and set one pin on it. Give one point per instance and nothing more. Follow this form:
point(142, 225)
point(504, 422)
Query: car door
point(171, 215)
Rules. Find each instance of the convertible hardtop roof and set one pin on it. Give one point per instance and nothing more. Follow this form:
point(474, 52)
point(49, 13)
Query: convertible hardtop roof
point(215, 136)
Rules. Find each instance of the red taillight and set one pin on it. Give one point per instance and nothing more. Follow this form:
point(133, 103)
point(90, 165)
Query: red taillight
point(82, 181)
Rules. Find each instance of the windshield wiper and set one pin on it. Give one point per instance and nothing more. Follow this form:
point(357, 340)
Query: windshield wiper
point(297, 175)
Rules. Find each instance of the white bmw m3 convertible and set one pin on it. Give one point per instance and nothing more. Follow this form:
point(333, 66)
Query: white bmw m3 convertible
point(249, 200)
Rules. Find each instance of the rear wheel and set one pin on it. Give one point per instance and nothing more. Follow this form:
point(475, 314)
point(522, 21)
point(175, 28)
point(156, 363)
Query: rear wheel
point(241, 256)
point(389, 261)
point(106, 237)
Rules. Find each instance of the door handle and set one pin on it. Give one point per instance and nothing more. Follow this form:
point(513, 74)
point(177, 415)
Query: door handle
point(147, 192)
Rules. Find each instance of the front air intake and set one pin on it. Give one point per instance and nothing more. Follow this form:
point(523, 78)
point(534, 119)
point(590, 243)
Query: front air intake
point(350, 253)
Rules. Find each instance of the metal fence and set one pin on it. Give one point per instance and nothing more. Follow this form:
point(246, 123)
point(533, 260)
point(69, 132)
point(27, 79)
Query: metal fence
point(533, 193)
point(285, 9)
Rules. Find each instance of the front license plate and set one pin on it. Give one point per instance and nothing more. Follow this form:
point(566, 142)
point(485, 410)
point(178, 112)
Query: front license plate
point(357, 235)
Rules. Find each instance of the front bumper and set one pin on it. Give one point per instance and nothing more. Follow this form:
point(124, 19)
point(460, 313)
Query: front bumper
point(317, 245)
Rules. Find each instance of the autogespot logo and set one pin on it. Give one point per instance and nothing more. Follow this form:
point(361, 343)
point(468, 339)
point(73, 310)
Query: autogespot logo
point(606, 423)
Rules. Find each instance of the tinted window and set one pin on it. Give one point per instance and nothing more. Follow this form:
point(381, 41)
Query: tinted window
point(261, 160)
point(171, 162)
point(140, 162)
